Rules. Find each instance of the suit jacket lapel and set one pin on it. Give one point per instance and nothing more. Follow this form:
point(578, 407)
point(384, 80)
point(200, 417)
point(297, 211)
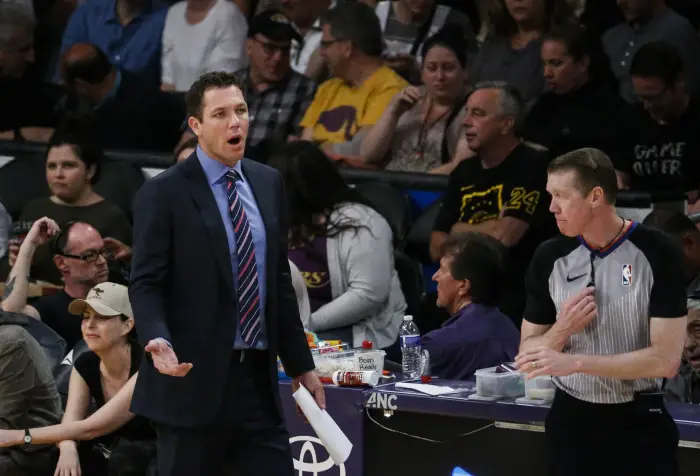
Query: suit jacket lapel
point(203, 198)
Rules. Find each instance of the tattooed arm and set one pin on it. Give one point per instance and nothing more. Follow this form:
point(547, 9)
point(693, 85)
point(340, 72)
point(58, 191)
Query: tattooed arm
point(14, 298)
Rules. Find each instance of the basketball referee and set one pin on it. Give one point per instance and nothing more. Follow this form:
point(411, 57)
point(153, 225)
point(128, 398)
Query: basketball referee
point(606, 316)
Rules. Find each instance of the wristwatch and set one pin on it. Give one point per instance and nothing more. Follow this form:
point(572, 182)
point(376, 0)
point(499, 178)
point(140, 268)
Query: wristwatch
point(27, 437)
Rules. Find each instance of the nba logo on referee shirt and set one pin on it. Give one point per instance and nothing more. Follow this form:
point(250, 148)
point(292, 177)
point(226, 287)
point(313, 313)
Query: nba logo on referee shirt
point(626, 274)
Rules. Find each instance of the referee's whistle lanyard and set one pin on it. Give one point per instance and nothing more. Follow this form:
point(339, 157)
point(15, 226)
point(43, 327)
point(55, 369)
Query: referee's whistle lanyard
point(594, 253)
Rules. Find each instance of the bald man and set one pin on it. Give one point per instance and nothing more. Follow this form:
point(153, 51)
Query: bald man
point(86, 70)
point(127, 113)
point(79, 275)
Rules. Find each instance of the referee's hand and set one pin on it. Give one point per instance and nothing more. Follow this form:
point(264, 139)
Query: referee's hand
point(546, 361)
point(578, 311)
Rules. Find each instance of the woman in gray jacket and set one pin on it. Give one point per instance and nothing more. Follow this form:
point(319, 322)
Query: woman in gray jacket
point(343, 249)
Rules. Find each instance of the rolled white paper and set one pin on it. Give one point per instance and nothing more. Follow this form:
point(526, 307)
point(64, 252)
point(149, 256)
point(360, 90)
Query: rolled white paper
point(334, 440)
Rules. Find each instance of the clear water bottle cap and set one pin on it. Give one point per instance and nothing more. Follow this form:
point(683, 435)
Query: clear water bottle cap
point(407, 318)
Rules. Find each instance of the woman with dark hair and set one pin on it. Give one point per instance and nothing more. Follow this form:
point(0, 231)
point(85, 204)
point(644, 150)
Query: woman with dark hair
point(73, 165)
point(117, 443)
point(114, 356)
point(511, 51)
point(184, 150)
point(343, 249)
point(582, 105)
point(421, 129)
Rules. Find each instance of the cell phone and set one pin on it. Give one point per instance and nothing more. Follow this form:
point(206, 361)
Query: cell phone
point(20, 230)
point(506, 368)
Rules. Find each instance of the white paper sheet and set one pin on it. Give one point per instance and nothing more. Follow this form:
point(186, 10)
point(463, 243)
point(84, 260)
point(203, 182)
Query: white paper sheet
point(425, 388)
point(337, 444)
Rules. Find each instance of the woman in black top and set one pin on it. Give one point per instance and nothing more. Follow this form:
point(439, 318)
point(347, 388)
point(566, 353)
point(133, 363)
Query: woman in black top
point(73, 168)
point(582, 105)
point(99, 374)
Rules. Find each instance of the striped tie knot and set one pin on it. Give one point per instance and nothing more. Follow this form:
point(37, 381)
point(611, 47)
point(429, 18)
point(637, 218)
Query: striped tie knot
point(232, 176)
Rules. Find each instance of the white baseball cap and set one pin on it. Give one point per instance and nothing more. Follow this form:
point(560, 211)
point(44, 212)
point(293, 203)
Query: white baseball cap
point(106, 299)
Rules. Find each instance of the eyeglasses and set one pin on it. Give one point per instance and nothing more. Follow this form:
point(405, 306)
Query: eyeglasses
point(89, 256)
point(270, 48)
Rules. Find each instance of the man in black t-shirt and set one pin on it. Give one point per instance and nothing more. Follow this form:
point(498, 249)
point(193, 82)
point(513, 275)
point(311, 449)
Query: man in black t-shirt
point(501, 192)
point(659, 148)
point(80, 255)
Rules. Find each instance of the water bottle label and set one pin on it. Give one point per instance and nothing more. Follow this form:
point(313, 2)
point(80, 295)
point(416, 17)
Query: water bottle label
point(410, 341)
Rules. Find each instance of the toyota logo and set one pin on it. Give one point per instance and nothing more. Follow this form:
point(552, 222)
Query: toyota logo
point(308, 451)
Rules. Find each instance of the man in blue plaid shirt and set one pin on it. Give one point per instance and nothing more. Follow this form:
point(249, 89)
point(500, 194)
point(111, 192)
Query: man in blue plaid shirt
point(277, 96)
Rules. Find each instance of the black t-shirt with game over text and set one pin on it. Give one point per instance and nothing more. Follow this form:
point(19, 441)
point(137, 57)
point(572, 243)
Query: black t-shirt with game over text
point(660, 157)
point(515, 188)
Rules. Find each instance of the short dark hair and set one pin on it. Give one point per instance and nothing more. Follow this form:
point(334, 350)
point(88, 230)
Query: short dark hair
point(92, 67)
point(672, 222)
point(658, 59)
point(358, 23)
point(580, 43)
point(480, 258)
point(450, 36)
point(592, 168)
point(77, 134)
point(194, 98)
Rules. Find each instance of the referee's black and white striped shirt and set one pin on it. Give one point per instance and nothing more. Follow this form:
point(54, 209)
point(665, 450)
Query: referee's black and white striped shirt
point(637, 277)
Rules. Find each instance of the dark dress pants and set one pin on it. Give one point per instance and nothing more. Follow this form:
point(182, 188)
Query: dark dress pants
point(247, 437)
point(586, 439)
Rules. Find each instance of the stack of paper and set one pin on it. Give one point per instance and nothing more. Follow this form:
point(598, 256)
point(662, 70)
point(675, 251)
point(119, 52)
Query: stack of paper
point(426, 388)
point(336, 443)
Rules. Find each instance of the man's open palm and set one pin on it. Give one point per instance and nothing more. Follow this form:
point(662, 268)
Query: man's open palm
point(165, 360)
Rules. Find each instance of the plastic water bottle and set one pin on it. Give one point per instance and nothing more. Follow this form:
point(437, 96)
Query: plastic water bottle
point(410, 348)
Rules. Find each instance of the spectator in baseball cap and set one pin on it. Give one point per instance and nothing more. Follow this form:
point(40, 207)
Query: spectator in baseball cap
point(274, 25)
point(114, 357)
point(277, 97)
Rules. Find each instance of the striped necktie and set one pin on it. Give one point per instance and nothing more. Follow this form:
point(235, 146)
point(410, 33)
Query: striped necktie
point(248, 293)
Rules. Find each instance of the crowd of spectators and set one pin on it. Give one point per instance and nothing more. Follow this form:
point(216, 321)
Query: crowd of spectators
point(486, 92)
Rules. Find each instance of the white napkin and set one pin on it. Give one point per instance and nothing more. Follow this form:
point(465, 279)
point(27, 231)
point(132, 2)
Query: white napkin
point(334, 440)
point(425, 388)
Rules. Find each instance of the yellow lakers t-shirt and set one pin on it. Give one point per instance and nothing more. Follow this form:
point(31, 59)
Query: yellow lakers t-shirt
point(338, 110)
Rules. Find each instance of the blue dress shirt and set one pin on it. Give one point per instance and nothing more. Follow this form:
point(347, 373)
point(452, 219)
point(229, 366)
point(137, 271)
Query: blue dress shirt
point(215, 172)
point(135, 47)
